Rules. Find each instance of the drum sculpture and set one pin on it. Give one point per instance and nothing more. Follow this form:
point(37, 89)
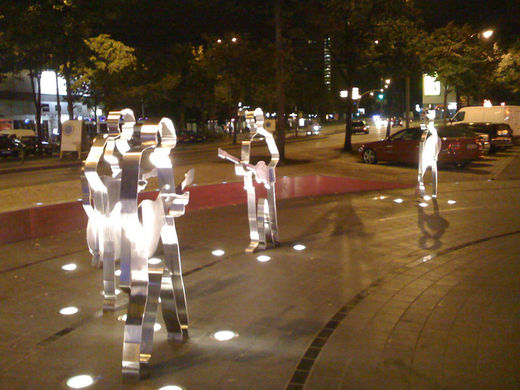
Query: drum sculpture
point(263, 222)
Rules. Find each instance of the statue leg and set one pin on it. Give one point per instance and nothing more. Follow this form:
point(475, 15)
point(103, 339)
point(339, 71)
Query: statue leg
point(134, 320)
point(251, 212)
point(150, 312)
point(273, 216)
point(173, 295)
point(434, 180)
point(262, 222)
point(109, 279)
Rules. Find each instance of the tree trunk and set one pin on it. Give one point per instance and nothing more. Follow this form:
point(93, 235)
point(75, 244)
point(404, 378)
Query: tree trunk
point(347, 147)
point(279, 79)
point(58, 104)
point(68, 85)
point(407, 101)
point(37, 99)
point(444, 117)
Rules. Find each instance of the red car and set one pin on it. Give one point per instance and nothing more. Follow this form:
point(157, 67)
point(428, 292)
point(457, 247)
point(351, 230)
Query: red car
point(459, 147)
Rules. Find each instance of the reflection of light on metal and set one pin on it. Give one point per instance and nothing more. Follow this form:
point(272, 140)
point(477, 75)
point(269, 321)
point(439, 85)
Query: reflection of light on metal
point(69, 267)
point(122, 317)
point(154, 260)
point(118, 272)
point(156, 327)
point(80, 381)
point(117, 292)
point(398, 200)
point(452, 201)
point(487, 103)
point(263, 258)
point(299, 247)
point(224, 335)
point(218, 252)
point(423, 204)
point(171, 387)
point(69, 310)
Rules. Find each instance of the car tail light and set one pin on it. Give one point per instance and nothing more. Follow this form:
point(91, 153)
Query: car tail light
point(454, 146)
point(502, 132)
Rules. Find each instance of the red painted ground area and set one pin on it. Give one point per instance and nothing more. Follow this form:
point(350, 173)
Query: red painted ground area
point(44, 221)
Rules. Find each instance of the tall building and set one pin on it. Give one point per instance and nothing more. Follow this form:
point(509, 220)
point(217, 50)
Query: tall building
point(327, 69)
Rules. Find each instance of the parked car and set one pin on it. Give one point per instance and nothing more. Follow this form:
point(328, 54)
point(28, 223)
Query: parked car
point(459, 146)
point(10, 146)
point(396, 121)
point(500, 134)
point(34, 146)
point(360, 127)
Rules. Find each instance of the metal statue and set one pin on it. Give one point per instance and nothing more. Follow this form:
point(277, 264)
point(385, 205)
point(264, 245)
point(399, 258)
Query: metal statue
point(143, 227)
point(429, 149)
point(116, 170)
point(101, 188)
point(262, 217)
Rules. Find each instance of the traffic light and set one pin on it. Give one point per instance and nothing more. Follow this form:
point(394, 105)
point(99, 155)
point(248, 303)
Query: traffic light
point(380, 96)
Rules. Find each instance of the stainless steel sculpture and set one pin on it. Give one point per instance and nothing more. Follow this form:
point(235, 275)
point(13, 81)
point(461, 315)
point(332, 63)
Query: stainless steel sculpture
point(145, 151)
point(429, 149)
point(263, 221)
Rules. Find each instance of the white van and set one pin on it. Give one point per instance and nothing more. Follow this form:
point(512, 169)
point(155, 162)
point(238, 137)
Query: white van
point(494, 114)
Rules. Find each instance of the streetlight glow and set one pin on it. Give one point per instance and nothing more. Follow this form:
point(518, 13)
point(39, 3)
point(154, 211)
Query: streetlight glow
point(487, 34)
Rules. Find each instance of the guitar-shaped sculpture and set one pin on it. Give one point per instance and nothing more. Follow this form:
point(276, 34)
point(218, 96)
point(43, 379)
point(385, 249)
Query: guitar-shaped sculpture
point(263, 221)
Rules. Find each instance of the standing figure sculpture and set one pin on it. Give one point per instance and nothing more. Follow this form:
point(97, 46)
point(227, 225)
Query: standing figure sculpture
point(101, 189)
point(429, 149)
point(144, 225)
point(262, 217)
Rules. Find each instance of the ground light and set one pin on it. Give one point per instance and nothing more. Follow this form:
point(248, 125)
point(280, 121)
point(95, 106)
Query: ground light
point(122, 317)
point(452, 201)
point(154, 260)
point(427, 197)
point(80, 381)
point(423, 204)
point(299, 247)
point(68, 311)
point(218, 252)
point(224, 335)
point(263, 258)
point(69, 267)
point(171, 387)
point(398, 200)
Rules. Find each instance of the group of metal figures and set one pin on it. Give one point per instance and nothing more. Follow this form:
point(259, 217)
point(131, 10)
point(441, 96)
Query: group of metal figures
point(123, 228)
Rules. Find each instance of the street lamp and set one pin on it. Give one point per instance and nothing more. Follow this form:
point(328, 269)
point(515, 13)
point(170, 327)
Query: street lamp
point(487, 34)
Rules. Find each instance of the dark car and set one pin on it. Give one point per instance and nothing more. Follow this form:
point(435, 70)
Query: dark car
point(500, 134)
point(359, 127)
point(34, 146)
point(459, 146)
point(10, 147)
point(396, 121)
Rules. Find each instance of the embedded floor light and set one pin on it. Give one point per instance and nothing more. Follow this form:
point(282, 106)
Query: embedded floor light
point(154, 260)
point(398, 200)
point(171, 387)
point(299, 247)
point(427, 197)
point(451, 201)
point(69, 267)
point(382, 197)
point(218, 252)
point(68, 311)
point(423, 204)
point(80, 381)
point(224, 335)
point(39, 204)
point(263, 258)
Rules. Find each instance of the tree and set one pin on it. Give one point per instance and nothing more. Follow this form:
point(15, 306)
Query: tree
point(353, 27)
point(104, 76)
point(508, 70)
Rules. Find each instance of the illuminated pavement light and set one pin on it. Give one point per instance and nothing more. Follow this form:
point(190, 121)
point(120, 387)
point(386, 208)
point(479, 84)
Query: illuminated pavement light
point(217, 252)
point(452, 201)
point(398, 200)
point(263, 258)
point(427, 197)
point(80, 381)
point(224, 335)
point(69, 267)
point(171, 387)
point(68, 311)
point(423, 204)
point(299, 247)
